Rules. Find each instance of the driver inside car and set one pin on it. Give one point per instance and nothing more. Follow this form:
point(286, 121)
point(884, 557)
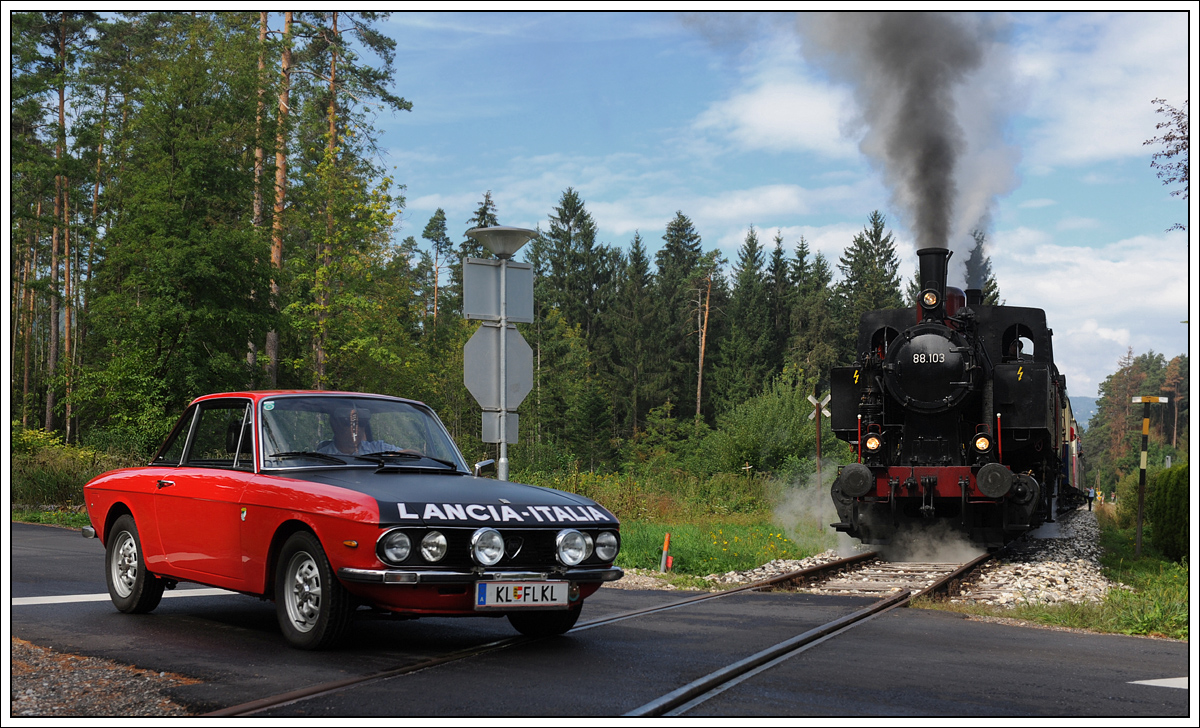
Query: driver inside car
point(351, 429)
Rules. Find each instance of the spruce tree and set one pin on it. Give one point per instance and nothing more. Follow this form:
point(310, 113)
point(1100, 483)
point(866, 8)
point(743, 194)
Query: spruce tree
point(485, 216)
point(869, 279)
point(979, 271)
point(745, 351)
point(636, 357)
point(440, 251)
point(781, 297)
point(677, 264)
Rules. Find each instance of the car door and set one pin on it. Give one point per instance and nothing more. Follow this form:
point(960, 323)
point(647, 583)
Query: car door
point(198, 504)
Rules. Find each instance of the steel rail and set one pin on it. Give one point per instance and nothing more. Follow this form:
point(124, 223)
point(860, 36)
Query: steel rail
point(312, 691)
point(706, 684)
point(700, 690)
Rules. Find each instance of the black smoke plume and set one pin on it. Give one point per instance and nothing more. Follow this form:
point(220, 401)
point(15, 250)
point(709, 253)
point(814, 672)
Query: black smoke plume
point(905, 69)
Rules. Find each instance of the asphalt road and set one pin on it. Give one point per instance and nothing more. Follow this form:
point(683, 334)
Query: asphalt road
point(904, 663)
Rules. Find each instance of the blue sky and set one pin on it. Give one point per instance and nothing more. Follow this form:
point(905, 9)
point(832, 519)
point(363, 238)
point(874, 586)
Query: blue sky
point(721, 117)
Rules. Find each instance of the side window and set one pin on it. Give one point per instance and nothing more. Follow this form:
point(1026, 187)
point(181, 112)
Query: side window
point(222, 436)
point(172, 451)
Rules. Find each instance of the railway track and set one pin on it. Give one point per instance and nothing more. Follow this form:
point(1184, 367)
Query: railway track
point(690, 695)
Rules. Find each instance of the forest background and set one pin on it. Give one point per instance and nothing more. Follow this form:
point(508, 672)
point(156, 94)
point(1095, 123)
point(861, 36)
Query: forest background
point(198, 206)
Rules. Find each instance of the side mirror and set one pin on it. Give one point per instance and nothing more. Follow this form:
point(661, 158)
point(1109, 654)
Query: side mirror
point(479, 466)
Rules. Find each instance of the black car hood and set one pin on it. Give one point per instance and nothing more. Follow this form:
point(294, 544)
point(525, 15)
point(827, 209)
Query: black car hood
point(429, 499)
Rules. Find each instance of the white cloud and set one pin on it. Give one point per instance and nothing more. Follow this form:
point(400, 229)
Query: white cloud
point(1091, 79)
point(1131, 292)
point(1077, 223)
point(778, 108)
point(1034, 204)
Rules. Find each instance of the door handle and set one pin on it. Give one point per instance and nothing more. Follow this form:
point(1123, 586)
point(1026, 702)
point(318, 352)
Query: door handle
point(165, 484)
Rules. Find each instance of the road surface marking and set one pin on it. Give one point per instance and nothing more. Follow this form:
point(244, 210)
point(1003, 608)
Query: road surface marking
point(1166, 682)
point(76, 598)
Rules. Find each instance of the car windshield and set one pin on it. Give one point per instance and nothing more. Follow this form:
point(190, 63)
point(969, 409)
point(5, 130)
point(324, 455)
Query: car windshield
point(325, 430)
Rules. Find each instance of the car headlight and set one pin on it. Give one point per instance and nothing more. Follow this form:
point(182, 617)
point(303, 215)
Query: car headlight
point(487, 546)
point(394, 547)
point(874, 443)
point(572, 546)
point(607, 545)
point(433, 546)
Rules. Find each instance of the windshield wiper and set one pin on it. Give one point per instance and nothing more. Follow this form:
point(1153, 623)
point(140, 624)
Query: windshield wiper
point(383, 457)
point(307, 454)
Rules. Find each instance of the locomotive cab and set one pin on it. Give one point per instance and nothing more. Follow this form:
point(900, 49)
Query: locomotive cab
point(953, 413)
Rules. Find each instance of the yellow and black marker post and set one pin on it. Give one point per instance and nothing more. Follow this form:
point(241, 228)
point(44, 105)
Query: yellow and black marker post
point(1146, 402)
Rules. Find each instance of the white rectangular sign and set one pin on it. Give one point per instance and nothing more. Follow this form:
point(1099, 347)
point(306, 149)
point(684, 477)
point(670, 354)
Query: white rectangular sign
point(481, 290)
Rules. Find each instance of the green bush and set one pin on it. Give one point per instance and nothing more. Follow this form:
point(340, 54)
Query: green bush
point(1167, 509)
point(46, 472)
point(1127, 497)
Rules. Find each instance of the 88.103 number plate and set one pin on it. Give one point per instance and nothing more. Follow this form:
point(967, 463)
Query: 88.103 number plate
point(521, 595)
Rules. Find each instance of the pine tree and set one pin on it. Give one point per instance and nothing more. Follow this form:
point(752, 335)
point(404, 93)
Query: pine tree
point(581, 272)
point(636, 361)
point(485, 216)
point(979, 271)
point(441, 248)
point(781, 296)
point(677, 263)
point(869, 279)
point(813, 348)
point(745, 352)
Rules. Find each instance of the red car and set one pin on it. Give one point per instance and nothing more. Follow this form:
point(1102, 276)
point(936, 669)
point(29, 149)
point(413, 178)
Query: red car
point(329, 501)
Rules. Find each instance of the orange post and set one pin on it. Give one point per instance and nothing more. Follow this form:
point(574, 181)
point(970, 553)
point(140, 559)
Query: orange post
point(664, 563)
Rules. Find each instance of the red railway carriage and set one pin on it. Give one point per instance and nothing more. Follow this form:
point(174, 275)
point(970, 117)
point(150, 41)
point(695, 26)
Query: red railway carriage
point(327, 502)
point(957, 414)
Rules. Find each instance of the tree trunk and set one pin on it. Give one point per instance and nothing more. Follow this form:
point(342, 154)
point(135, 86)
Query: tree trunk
point(703, 343)
point(259, 152)
point(327, 245)
point(68, 308)
point(280, 193)
point(29, 322)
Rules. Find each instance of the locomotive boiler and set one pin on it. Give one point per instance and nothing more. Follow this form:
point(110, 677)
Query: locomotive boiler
point(957, 415)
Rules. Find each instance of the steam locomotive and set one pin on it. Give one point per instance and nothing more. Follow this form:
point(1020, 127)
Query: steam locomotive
point(957, 415)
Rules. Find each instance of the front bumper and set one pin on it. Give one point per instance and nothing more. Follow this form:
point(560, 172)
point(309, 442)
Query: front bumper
point(399, 576)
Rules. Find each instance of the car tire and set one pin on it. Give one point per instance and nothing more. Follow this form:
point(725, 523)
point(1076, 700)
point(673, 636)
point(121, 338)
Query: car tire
point(132, 588)
point(543, 623)
point(313, 607)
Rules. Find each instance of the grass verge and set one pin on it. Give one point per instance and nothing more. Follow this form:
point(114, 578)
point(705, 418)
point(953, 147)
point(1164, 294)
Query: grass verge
point(714, 547)
point(61, 517)
point(1156, 603)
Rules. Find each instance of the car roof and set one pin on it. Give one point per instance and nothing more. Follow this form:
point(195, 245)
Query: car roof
point(259, 395)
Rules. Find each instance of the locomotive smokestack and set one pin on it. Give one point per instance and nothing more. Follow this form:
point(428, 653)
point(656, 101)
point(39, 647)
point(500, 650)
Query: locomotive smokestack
point(934, 263)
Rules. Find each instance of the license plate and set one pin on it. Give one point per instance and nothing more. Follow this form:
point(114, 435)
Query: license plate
point(521, 594)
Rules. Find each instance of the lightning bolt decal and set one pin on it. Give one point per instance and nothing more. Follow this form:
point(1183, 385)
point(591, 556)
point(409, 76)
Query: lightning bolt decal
point(856, 376)
point(1020, 371)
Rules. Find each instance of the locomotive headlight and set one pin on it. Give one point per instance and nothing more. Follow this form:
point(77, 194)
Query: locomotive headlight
point(983, 443)
point(572, 546)
point(433, 546)
point(929, 299)
point(394, 547)
point(487, 546)
point(873, 443)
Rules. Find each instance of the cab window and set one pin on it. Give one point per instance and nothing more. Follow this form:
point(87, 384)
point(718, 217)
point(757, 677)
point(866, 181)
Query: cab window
point(222, 436)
